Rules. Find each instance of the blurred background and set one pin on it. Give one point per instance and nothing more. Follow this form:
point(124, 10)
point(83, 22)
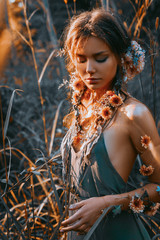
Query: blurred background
point(32, 105)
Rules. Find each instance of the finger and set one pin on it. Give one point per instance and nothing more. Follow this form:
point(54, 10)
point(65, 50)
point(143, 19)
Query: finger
point(87, 230)
point(84, 228)
point(76, 206)
point(84, 231)
point(74, 227)
point(75, 217)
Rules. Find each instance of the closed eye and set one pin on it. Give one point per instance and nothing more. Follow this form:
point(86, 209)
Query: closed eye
point(101, 60)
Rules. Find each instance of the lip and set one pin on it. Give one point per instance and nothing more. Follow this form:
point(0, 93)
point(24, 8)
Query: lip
point(92, 80)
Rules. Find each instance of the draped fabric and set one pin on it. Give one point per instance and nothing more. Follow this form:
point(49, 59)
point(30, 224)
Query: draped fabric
point(90, 173)
point(100, 178)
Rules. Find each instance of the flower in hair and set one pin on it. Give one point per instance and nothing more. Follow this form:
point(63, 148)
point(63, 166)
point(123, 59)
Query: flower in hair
point(145, 141)
point(133, 61)
point(136, 204)
point(115, 100)
point(77, 85)
point(146, 171)
point(106, 113)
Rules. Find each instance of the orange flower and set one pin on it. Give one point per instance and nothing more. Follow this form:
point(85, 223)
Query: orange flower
point(146, 171)
point(65, 1)
point(110, 93)
point(115, 100)
point(106, 113)
point(78, 85)
point(153, 209)
point(75, 98)
point(136, 204)
point(145, 141)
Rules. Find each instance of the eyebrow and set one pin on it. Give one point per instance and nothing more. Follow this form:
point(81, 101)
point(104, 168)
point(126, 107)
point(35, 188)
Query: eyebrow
point(94, 54)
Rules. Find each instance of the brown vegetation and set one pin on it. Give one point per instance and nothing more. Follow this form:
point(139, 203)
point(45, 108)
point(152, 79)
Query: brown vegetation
point(32, 193)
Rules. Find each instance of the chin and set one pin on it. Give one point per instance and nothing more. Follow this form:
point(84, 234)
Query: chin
point(98, 88)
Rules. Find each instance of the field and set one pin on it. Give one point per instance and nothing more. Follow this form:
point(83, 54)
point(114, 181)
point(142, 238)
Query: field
point(33, 103)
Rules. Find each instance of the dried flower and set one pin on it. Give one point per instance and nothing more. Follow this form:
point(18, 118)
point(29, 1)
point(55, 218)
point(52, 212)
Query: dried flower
point(153, 209)
point(146, 171)
point(77, 85)
point(136, 204)
point(115, 100)
point(145, 140)
point(100, 110)
point(110, 93)
point(106, 113)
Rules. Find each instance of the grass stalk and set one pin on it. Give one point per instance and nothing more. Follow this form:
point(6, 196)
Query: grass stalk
point(33, 216)
point(152, 61)
point(54, 127)
point(107, 5)
point(74, 2)
point(69, 16)
point(36, 70)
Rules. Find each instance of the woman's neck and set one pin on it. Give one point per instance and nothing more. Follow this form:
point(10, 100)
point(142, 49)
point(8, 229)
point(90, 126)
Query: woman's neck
point(91, 96)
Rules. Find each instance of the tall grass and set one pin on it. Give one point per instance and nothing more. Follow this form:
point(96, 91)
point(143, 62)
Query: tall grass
point(32, 192)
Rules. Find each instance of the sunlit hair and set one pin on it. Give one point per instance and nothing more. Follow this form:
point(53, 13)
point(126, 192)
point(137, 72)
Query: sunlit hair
point(98, 23)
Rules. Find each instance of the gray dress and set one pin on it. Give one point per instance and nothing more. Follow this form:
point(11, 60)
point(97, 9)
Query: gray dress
point(96, 178)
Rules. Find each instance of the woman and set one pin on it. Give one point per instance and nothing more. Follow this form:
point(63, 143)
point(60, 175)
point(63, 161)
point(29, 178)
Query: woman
point(107, 130)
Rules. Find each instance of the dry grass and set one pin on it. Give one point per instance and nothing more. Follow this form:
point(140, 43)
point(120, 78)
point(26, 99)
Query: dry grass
point(33, 194)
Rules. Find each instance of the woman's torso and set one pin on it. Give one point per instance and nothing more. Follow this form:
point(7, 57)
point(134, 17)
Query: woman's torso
point(103, 175)
point(117, 139)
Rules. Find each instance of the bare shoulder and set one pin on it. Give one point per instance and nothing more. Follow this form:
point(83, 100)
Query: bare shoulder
point(135, 109)
point(140, 120)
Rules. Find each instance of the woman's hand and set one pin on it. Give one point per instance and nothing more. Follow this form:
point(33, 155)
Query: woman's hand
point(87, 213)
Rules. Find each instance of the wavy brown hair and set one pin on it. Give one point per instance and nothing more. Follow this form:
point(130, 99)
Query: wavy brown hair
point(98, 23)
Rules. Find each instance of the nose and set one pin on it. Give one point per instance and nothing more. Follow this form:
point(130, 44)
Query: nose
point(90, 68)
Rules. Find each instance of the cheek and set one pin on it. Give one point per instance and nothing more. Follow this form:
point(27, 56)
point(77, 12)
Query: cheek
point(80, 69)
point(113, 67)
point(109, 71)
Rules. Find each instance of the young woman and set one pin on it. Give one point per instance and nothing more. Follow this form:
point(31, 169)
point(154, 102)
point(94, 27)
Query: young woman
point(107, 130)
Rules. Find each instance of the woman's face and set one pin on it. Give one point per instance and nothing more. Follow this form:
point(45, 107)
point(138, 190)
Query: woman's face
point(96, 64)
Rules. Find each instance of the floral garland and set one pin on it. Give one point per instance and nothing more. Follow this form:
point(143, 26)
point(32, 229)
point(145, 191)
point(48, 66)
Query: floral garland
point(102, 111)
